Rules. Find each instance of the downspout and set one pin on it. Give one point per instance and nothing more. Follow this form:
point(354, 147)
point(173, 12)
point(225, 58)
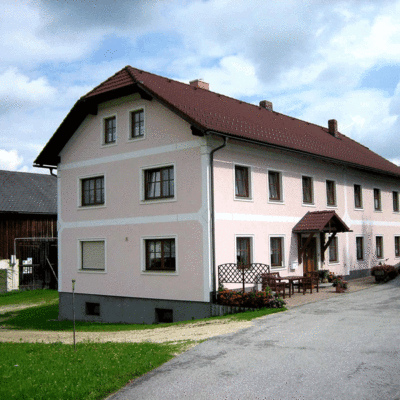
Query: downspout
point(212, 213)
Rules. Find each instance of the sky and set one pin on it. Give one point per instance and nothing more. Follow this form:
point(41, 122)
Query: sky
point(314, 60)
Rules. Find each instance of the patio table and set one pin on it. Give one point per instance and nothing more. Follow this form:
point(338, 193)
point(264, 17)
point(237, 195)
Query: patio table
point(291, 280)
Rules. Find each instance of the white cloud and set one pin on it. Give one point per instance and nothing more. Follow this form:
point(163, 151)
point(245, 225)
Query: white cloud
point(10, 160)
point(17, 90)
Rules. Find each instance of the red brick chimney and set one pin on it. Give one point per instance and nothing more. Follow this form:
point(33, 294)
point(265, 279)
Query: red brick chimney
point(199, 83)
point(266, 104)
point(332, 125)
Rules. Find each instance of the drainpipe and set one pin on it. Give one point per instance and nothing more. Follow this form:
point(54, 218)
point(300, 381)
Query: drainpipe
point(212, 213)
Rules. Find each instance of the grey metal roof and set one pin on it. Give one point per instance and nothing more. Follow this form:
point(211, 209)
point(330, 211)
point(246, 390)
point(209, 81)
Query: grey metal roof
point(24, 192)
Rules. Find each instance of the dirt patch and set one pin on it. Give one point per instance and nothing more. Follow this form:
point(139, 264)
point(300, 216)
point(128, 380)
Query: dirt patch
point(176, 333)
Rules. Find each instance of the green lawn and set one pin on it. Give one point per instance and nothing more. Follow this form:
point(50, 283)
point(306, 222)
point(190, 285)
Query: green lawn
point(28, 297)
point(95, 370)
point(56, 371)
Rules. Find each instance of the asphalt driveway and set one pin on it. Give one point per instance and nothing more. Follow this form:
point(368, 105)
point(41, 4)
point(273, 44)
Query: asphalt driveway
point(342, 348)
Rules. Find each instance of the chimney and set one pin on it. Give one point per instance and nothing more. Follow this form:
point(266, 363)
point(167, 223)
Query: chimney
point(332, 125)
point(266, 104)
point(199, 83)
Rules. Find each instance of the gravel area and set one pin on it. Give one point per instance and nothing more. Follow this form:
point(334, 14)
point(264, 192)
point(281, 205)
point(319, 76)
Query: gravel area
point(194, 331)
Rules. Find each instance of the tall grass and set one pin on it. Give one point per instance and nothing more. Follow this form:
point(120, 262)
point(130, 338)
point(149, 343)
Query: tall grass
point(95, 370)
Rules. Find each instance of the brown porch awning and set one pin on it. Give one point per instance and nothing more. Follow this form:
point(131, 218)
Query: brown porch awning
point(321, 222)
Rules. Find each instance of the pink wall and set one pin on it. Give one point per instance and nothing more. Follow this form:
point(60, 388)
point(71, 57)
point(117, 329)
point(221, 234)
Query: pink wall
point(126, 219)
point(260, 218)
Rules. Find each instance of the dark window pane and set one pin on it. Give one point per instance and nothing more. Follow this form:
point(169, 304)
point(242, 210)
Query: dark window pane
point(274, 185)
point(357, 196)
point(330, 193)
point(159, 183)
point(241, 182)
point(307, 190)
point(93, 191)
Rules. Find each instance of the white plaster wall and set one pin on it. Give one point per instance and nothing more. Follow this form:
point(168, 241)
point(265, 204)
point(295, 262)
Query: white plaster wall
point(12, 275)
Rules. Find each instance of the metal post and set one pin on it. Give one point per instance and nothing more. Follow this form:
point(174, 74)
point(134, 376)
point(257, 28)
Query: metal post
point(73, 309)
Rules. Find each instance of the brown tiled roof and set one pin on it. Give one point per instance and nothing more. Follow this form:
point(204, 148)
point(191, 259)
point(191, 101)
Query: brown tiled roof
point(319, 221)
point(209, 111)
point(26, 193)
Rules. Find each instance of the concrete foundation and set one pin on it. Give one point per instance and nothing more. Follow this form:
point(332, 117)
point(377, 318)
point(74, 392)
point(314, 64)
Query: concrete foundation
point(96, 308)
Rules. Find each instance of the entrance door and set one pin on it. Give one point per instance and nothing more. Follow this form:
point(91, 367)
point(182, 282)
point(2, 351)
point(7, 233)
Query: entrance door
point(310, 255)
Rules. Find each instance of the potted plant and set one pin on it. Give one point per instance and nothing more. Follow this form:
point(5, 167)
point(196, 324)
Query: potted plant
point(339, 283)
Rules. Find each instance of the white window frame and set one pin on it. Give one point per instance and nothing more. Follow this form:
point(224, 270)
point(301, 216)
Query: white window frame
point(102, 130)
point(250, 178)
point(336, 193)
point(80, 180)
point(130, 112)
point(363, 259)
point(282, 199)
point(378, 210)
point(383, 247)
point(338, 253)
point(354, 198)
point(142, 180)
point(283, 266)
point(143, 270)
point(398, 201)
point(312, 204)
point(395, 236)
point(79, 263)
point(251, 237)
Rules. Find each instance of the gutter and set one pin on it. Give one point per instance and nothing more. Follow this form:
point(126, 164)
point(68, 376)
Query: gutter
point(212, 213)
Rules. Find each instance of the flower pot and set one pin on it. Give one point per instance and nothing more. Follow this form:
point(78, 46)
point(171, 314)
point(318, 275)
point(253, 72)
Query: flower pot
point(339, 289)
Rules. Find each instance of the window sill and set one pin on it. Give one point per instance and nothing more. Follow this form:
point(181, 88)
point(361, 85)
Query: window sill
point(105, 145)
point(155, 201)
point(308, 204)
point(136, 139)
point(378, 211)
point(333, 262)
point(280, 268)
point(92, 271)
point(92, 207)
point(280, 202)
point(331, 206)
point(248, 199)
point(160, 273)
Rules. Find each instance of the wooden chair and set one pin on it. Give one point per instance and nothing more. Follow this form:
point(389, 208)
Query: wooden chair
point(307, 284)
point(314, 275)
point(274, 284)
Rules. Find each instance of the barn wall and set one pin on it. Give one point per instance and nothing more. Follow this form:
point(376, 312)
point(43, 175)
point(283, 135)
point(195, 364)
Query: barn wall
point(24, 225)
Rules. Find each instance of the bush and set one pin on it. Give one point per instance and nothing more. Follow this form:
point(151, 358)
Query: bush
point(384, 273)
point(249, 299)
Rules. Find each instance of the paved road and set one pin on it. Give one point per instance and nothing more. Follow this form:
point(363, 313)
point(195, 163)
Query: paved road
point(342, 348)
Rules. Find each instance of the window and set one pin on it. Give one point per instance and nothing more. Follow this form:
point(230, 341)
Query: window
point(243, 252)
point(396, 201)
point(397, 246)
point(307, 190)
point(377, 200)
point(159, 183)
point(93, 255)
point(357, 196)
point(360, 248)
point(330, 193)
point(333, 250)
point(276, 248)
point(93, 191)
point(92, 309)
point(110, 130)
point(274, 184)
point(242, 182)
point(379, 247)
point(137, 124)
point(160, 255)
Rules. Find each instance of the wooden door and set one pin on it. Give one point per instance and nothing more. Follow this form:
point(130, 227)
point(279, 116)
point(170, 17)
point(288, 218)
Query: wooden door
point(310, 255)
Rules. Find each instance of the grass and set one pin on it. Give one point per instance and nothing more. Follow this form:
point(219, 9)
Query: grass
point(28, 297)
point(95, 370)
point(44, 318)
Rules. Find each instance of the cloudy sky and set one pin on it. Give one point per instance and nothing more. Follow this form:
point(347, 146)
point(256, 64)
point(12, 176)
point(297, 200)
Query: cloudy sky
point(315, 60)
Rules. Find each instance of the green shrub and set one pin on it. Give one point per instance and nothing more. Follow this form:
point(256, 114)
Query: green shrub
point(384, 273)
point(249, 299)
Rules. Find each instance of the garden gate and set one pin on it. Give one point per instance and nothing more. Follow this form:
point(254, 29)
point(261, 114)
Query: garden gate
point(38, 264)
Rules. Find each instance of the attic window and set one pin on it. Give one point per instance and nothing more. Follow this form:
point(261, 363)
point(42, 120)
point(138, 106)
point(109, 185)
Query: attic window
point(110, 130)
